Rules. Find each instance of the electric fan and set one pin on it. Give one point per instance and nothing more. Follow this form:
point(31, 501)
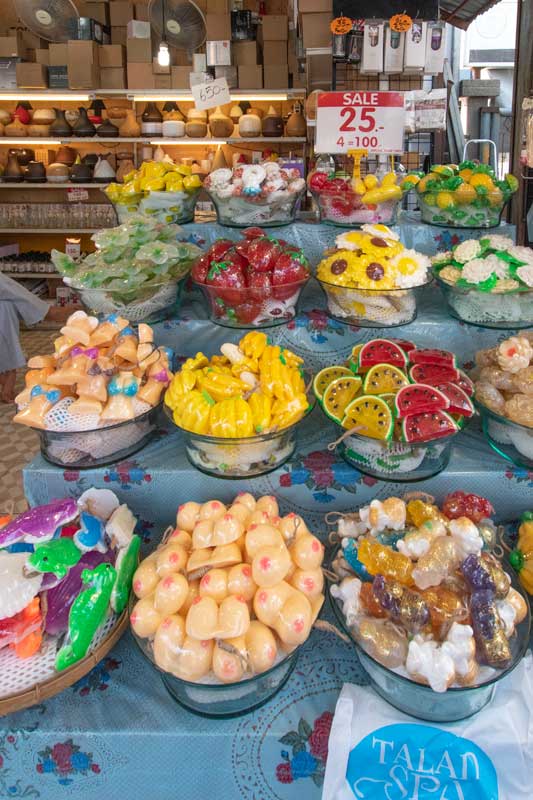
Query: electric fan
point(180, 23)
point(53, 20)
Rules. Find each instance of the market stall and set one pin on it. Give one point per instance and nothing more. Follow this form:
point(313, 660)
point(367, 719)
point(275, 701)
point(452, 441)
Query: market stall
point(283, 494)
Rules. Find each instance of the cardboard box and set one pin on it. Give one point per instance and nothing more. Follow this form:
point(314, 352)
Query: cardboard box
point(113, 78)
point(250, 76)
point(8, 73)
point(41, 56)
point(199, 77)
point(32, 76)
point(218, 27)
point(119, 35)
point(277, 6)
point(141, 12)
point(315, 7)
point(251, 5)
point(372, 56)
point(58, 77)
point(82, 75)
point(12, 46)
point(98, 11)
point(120, 13)
point(112, 55)
point(58, 54)
point(163, 81)
point(246, 53)
point(275, 76)
point(218, 53)
point(179, 58)
point(138, 29)
point(315, 30)
point(139, 51)
point(394, 49)
point(157, 69)
point(435, 48)
point(82, 52)
point(218, 6)
point(414, 56)
point(140, 76)
point(179, 77)
point(230, 74)
point(275, 53)
point(275, 28)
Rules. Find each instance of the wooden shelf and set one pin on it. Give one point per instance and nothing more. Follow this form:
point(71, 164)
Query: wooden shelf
point(51, 94)
point(26, 185)
point(29, 275)
point(66, 231)
point(159, 139)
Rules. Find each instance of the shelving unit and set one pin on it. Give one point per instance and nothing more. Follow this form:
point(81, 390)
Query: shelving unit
point(32, 275)
point(27, 185)
point(66, 231)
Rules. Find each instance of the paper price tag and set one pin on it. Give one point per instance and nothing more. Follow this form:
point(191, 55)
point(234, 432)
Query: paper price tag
point(209, 95)
point(75, 195)
point(370, 120)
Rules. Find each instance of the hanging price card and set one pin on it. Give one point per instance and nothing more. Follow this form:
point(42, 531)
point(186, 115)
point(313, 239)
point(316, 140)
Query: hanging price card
point(364, 119)
point(209, 95)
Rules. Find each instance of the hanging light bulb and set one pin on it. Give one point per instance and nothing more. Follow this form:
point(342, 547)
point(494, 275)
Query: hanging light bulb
point(163, 55)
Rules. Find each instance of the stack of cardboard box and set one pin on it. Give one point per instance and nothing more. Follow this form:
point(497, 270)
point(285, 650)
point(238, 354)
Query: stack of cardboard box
point(140, 56)
point(112, 66)
point(274, 35)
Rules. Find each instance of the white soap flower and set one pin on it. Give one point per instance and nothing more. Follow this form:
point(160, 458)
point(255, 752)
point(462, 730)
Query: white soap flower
point(525, 274)
point(466, 251)
point(477, 270)
point(498, 242)
point(524, 254)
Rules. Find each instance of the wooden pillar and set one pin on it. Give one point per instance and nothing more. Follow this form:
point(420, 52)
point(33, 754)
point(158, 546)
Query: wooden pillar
point(523, 85)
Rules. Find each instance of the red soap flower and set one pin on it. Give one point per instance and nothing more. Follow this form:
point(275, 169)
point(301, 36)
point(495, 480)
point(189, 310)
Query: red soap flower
point(318, 741)
point(284, 772)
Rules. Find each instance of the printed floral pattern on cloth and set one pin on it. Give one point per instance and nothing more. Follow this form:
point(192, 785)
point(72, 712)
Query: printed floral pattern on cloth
point(308, 751)
point(99, 678)
point(321, 471)
point(66, 760)
point(317, 324)
point(127, 474)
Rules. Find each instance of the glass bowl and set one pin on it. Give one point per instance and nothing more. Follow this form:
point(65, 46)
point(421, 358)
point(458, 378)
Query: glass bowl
point(171, 207)
point(244, 457)
point(396, 461)
point(224, 700)
point(460, 216)
point(419, 700)
point(371, 308)
point(100, 447)
point(345, 209)
point(242, 212)
point(489, 310)
point(509, 439)
point(153, 303)
point(128, 209)
point(252, 308)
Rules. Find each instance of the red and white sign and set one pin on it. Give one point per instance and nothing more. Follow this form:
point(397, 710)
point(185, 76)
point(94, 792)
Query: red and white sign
point(368, 120)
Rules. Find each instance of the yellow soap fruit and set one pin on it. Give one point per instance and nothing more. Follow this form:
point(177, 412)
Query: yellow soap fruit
point(423, 182)
point(253, 344)
point(358, 185)
point(131, 188)
point(261, 408)
point(221, 385)
point(465, 174)
point(130, 176)
point(444, 170)
point(183, 169)
point(382, 194)
point(464, 194)
point(285, 413)
point(194, 411)
point(152, 184)
point(481, 179)
point(113, 191)
point(389, 179)
point(197, 362)
point(232, 419)
point(430, 199)
point(445, 200)
point(370, 181)
point(191, 183)
point(173, 182)
point(182, 382)
point(153, 169)
point(495, 196)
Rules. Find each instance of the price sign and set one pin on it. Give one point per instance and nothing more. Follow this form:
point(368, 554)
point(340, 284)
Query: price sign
point(370, 120)
point(209, 95)
point(75, 195)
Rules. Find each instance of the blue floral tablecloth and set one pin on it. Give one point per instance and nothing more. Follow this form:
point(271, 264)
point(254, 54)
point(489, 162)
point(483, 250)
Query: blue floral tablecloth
point(117, 734)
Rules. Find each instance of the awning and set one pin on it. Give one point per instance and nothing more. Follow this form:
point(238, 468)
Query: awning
point(462, 12)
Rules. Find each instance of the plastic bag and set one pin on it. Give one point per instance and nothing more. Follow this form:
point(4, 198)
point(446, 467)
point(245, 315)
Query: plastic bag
point(378, 753)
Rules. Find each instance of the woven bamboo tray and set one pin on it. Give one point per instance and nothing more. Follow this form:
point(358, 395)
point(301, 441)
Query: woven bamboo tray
point(48, 682)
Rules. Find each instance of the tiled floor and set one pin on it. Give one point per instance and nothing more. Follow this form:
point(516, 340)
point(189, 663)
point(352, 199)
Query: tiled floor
point(19, 444)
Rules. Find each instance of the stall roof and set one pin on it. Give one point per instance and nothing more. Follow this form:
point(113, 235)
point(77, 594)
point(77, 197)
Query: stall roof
point(462, 12)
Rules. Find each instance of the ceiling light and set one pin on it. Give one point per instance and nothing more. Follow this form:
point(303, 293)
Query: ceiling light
point(163, 55)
